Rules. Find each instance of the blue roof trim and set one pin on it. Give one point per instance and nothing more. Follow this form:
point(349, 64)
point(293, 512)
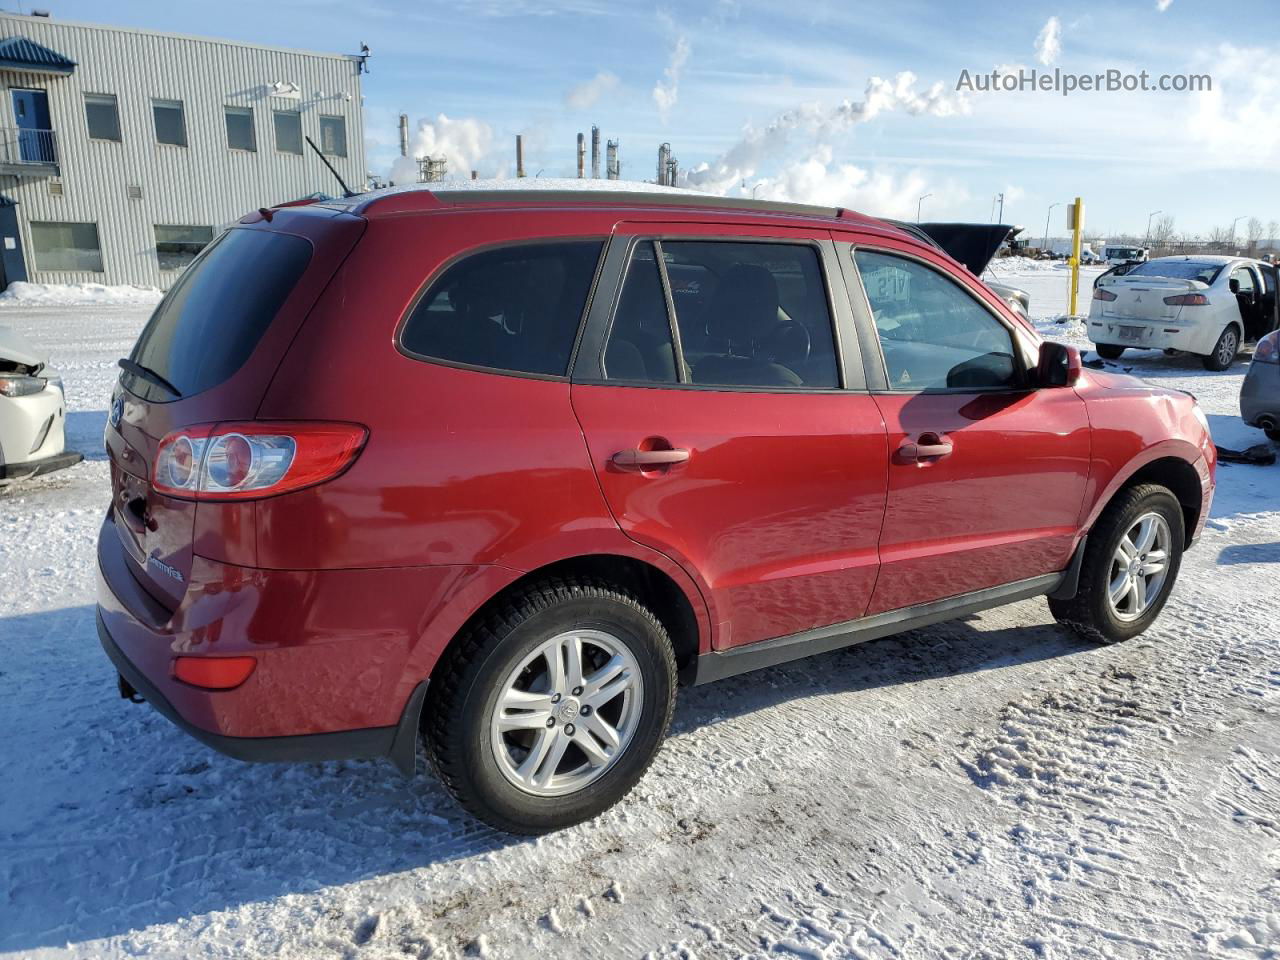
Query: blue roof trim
point(19, 53)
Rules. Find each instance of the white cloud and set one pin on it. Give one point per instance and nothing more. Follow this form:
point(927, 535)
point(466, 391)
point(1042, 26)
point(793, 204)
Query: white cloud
point(667, 90)
point(1049, 41)
point(1238, 121)
point(466, 144)
point(590, 92)
point(1163, 5)
point(760, 147)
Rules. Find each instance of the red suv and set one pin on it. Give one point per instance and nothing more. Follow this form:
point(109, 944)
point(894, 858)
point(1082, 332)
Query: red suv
point(496, 470)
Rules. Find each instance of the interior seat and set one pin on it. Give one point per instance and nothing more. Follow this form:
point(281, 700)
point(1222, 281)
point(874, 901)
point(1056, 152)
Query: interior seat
point(743, 313)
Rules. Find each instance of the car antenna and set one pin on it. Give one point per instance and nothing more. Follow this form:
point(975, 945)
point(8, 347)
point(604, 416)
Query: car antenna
point(346, 191)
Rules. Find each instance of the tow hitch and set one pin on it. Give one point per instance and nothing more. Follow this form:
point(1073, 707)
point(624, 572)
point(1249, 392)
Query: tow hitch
point(127, 691)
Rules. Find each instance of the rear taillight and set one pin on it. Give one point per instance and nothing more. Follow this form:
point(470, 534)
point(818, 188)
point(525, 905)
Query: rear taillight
point(1188, 300)
point(254, 459)
point(1100, 294)
point(1268, 349)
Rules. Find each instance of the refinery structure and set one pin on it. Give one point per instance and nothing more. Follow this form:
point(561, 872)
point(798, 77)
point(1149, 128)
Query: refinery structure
point(433, 169)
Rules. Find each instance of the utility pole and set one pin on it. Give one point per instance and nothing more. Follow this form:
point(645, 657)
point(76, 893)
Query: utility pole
point(1147, 239)
point(920, 200)
point(1045, 245)
point(1232, 241)
point(1000, 219)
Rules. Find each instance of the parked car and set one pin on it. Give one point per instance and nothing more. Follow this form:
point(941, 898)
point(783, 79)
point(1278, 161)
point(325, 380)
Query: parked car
point(975, 245)
point(1116, 255)
point(1260, 392)
point(33, 412)
point(1205, 305)
point(506, 493)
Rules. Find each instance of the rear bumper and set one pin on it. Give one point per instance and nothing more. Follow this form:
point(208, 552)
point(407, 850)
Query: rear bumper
point(1152, 335)
point(342, 655)
point(36, 468)
point(1260, 396)
point(398, 742)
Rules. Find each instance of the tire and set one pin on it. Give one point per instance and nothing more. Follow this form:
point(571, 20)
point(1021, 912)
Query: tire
point(1224, 351)
point(1109, 351)
point(1273, 434)
point(1091, 612)
point(481, 763)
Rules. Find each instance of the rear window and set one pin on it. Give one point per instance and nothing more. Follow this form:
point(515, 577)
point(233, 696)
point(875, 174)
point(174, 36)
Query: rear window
point(514, 308)
point(1178, 270)
point(212, 318)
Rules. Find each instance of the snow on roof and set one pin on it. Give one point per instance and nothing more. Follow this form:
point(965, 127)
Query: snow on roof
point(533, 184)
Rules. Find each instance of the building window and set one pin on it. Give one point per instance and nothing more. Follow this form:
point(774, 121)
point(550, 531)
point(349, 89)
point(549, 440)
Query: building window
point(66, 246)
point(102, 115)
point(177, 246)
point(288, 131)
point(240, 135)
point(171, 126)
point(333, 136)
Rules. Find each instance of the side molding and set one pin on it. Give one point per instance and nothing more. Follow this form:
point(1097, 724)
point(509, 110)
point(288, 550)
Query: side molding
point(768, 653)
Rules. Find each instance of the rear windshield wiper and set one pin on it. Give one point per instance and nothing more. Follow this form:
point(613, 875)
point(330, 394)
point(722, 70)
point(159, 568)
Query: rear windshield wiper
point(138, 370)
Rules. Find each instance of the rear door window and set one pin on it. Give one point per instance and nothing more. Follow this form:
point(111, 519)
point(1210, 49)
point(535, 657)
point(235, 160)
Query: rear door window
point(752, 314)
point(514, 309)
point(640, 346)
point(934, 335)
point(212, 318)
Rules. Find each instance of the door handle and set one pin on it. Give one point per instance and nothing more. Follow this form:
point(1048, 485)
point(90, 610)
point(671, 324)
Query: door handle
point(645, 459)
point(929, 446)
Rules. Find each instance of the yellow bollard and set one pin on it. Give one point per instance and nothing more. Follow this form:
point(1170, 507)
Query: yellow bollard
point(1075, 221)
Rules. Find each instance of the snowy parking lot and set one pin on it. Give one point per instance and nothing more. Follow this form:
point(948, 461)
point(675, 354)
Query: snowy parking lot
point(991, 787)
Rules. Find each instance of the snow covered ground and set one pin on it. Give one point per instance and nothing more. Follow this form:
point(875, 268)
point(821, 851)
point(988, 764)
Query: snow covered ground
point(986, 788)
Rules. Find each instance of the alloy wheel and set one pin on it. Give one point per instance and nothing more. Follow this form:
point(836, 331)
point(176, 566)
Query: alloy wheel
point(1139, 567)
point(567, 712)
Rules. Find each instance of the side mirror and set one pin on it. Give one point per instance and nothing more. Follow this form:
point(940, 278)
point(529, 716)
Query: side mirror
point(1059, 365)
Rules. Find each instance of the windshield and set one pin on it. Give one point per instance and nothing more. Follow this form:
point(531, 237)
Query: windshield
point(1206, 273)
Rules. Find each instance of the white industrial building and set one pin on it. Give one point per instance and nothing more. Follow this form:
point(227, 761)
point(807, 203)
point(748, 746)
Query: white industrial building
point(123, 152)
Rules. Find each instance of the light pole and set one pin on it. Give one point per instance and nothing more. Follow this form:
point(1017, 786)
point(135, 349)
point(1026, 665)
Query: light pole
point(919, 201)
point(1046, 222)
point(1232, 241)
point(1146, 240)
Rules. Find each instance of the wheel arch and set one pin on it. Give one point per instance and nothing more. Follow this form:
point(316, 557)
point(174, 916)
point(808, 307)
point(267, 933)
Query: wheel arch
point(1175, 474)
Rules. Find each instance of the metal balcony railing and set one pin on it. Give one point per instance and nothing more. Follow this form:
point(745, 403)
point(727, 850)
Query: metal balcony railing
point(20, 145)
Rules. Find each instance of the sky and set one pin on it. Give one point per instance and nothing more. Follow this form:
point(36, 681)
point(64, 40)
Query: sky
point(843, 103)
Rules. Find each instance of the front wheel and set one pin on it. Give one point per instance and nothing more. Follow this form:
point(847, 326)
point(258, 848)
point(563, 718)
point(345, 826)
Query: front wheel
point(1224, 351)
point(1131, 561)
point(1109, 351)
point(551, 708)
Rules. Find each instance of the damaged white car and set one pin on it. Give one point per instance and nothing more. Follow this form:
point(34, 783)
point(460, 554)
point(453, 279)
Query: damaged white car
point(1205, 305)
point(33, 412)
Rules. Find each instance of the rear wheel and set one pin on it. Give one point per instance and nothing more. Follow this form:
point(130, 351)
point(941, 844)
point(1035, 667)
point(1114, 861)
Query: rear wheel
point(1109, 351)
point(548, 711)
point(1224, 351)
point(1130, 564)
point(1273, 434)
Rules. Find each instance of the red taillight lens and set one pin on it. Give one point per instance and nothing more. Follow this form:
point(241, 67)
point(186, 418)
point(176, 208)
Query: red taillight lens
point(1188, 300)
point(1101, 294)
point(1268, 349)
point(254, 459)
point(214, 673)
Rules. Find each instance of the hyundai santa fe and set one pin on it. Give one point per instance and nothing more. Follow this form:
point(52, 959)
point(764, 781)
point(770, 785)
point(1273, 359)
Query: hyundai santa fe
point(495, 471)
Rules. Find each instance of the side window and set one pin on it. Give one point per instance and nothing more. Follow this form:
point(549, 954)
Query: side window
point(933, 334)
point(752, 314)
point(513, 308)
point(639, 346)
point(1243, 280)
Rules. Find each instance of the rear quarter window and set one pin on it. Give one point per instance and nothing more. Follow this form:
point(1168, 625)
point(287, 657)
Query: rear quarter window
point(212, 318)
point(514, 309)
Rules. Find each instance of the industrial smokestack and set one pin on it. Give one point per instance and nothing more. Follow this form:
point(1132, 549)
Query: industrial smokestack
point(519, 155)
point(664, 163)
point(595, 152)
point(404, 134)
point(673, 172)
point(582, 155)
point(475, 175)
point(611, 167)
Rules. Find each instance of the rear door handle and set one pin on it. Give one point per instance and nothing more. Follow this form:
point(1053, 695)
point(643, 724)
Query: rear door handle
point(643, 459)
point(929, 446)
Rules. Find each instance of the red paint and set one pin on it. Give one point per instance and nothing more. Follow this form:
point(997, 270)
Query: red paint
point(791, 511)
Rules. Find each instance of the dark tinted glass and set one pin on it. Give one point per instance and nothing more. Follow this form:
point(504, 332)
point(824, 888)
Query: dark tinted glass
point(288, 131)
point(170, 127)
point(752, 314)
point(1178, 270)
point(240, 135)
point(101, 115)
point(639, 345)
point(212, 318)
point(514, 308)
point(933, 334)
